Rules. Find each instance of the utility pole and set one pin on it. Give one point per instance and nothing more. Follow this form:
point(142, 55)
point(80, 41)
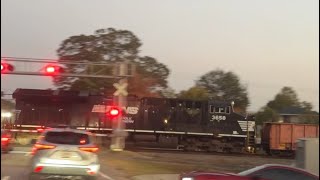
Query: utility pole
point(247, 139)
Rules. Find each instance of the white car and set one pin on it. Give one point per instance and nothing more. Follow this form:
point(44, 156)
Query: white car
point(65, 154)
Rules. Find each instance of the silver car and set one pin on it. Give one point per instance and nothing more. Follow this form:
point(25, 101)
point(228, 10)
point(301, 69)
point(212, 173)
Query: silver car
point(64, 153)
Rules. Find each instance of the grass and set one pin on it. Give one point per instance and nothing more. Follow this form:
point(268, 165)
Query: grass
point(134, 164)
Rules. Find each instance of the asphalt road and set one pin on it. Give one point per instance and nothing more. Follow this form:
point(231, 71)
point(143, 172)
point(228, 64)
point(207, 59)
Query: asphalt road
point(14, 166)
point(13, 172)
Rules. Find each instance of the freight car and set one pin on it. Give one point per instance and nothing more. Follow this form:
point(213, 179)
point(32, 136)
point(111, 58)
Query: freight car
point(187, 124)
point(281, 138)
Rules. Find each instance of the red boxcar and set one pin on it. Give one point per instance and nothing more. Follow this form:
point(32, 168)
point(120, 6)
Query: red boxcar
point(281, 137)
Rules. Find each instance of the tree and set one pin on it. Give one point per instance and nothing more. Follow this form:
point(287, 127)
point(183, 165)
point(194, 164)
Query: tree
point(306, 106)
point(286, 98)
point(225, 86)
point(266, 114)
point(310, 118)
point(154, 72)
point(168, 93)
point(142, 86)
point(109, 46)
point(195, 93)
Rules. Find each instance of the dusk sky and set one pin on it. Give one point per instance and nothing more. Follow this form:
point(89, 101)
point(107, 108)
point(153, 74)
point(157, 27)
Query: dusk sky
point(267, 43)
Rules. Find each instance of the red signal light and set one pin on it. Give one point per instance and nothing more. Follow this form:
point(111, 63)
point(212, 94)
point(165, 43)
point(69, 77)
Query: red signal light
point(114, 112)
point(50, 69)
point(5, 67)
point(53, 69)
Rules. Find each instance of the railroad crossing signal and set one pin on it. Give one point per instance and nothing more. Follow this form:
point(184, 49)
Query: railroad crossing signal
point(5, 67)
point(121, 89)
point(52, 70)
point(22, 66)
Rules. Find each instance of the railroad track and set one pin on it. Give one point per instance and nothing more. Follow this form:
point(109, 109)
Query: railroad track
point(172, 150)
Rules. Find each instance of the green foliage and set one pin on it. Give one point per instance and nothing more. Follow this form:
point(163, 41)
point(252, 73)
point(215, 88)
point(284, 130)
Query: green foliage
point(306, 106)
point(266, 114)
point(225, 86)
point(105, 46)
point(312, 118)
point(195, 93)
point(7, 105)
point(149, 67)
point(286, 98)
point(168, 93)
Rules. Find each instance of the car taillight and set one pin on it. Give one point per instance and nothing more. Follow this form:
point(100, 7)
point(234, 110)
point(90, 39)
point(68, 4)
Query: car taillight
point(40, 130)
point(93, 149)
point(4, 139)
point(91, 172)
point(38, 169)
point(37, 147)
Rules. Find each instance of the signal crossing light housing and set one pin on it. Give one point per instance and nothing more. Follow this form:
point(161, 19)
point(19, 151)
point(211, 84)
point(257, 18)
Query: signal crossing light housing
point(5, 67)
point(51, 70)
point(114, 112)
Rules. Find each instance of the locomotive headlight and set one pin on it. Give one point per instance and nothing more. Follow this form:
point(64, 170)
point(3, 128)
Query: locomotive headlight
point(165, 121)
point(250, 149)
point(6, 114)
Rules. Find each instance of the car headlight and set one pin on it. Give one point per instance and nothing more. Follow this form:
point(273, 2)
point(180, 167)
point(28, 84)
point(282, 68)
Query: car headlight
point(187, 178)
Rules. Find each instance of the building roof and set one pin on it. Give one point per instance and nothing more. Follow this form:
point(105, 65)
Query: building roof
point(291, 111)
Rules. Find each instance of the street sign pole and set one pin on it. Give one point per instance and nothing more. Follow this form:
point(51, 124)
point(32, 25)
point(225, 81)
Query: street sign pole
point(120, 96)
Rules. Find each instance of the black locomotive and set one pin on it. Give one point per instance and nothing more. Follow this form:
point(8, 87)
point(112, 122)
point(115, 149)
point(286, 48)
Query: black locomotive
point(191, 125)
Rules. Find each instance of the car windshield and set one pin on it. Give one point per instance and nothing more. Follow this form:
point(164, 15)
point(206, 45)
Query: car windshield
point(69, 138)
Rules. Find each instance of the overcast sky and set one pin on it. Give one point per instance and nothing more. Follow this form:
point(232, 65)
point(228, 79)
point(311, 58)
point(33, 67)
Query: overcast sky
point(267, 43)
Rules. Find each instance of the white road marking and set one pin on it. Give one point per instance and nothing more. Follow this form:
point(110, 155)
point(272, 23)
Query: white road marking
point(105, 176)
point(5, 178)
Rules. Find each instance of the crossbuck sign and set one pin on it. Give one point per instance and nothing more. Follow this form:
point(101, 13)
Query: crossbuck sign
point(121, 89)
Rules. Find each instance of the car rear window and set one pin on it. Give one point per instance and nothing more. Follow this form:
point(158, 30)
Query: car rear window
point(70, 138)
